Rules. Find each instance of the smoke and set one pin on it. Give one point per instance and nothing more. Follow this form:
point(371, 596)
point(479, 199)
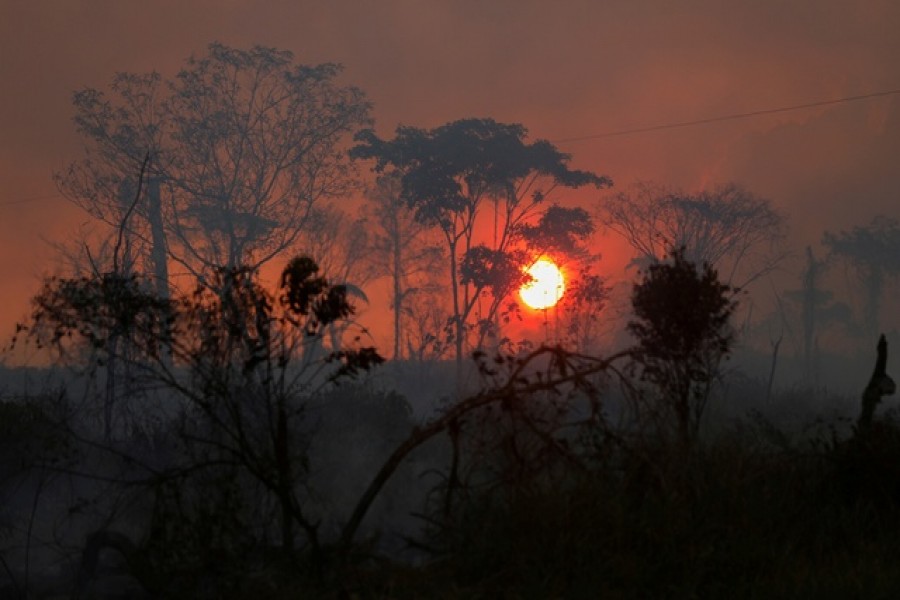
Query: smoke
point(563, 69)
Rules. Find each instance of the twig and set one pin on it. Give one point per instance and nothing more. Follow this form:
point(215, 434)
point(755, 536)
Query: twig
point(124, 222)
point(420, 435)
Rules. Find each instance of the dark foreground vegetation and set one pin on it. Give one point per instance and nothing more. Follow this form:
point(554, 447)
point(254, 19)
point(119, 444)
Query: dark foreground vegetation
point(749, 514)
point(737, 519)
point(229, 438)
point(212, 447)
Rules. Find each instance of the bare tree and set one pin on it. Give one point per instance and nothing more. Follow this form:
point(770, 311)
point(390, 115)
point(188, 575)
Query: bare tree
point(817, 310)
point(243, 144)
point(119, 138)
point(874, 252)
point(727, 227)
point(401, 251)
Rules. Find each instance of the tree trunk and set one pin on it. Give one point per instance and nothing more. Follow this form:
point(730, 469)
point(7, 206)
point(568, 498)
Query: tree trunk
point(158, 236)
point(398, 297)
point(457, 317)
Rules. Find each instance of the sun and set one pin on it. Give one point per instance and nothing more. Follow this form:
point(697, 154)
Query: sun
point(546, 287)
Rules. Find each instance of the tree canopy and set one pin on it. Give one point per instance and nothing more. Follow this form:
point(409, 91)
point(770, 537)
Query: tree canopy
point(242, 145)
point(448, 173)
point(727, 227)
point(453, 166)
point(681, 323)
point(874, 250)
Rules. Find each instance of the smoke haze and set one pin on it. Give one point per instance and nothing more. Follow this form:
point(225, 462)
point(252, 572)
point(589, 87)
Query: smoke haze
point(563, 69)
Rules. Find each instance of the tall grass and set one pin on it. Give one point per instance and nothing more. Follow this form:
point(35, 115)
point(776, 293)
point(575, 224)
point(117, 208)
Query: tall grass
point(734, 519)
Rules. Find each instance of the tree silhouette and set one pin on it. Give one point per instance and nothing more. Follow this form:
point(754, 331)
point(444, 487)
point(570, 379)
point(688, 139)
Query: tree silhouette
point(245, 362)
point(450, 172)
point(874, 251)
point(559, 231)
point(580, 310)
point(727, 227)
point(401, 251)
point(681, 323)
point(242, 144)
point(818, 309)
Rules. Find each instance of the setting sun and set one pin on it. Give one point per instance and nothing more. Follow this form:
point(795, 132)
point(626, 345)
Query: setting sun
point(546, 287)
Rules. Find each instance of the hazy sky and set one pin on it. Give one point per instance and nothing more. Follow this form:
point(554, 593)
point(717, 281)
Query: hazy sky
point(564, 68)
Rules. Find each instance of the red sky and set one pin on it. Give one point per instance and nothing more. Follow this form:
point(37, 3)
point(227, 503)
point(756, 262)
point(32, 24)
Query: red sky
point(565, 68)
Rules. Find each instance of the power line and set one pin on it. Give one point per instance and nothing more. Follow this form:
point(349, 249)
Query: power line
point(621, 132)
point(744, 115)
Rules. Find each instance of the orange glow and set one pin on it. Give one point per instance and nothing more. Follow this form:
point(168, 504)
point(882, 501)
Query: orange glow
point(546, 287)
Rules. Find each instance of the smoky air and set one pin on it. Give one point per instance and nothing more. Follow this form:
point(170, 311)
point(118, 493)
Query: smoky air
point(504, 300)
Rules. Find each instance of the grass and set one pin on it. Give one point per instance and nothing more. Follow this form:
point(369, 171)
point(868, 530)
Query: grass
point(735, 521)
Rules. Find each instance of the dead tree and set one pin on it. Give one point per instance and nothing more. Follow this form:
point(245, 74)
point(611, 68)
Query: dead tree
point(880, 384)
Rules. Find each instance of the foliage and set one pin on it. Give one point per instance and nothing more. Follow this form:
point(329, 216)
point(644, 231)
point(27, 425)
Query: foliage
point(534, 393)
point(96, 309)
point(448, 169)
point(727, 227)
point(448, 173)
point(560, 230)
point(542, 495)
point(743, 523)
point(494, 270)
point(873, 251)
point(242, 145)
point(345, 262)
point(581, 310)
point(242, 363)
point(681, 323)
